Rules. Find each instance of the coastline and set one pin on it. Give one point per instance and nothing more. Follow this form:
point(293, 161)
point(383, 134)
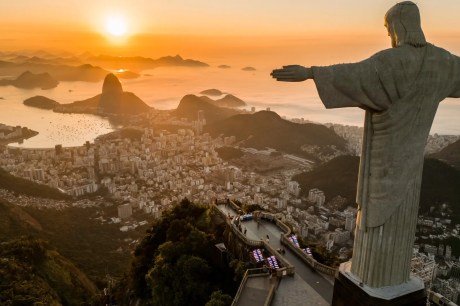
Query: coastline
point(17, 134)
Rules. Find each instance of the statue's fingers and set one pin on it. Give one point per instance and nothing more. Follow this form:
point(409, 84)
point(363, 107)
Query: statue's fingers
point(281, 75)
point(283, 72)
point(278, 70)
point(285, 78)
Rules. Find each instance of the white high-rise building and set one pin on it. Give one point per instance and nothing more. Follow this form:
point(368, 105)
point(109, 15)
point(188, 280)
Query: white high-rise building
point(316, 196)
point(350, 222)
point(293, 188)
point(340, 236)
point(448, 252)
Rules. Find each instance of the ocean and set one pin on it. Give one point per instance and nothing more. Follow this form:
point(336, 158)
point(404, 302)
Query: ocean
point(163, 88)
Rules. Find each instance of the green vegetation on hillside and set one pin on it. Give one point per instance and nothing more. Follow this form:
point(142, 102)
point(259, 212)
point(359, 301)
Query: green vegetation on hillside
point(128, 132)
point(228, 153)
point(450, 154)
point(267, 129)
point(27, 187)
point(174, 263)
point(340, 176)
point(15, 222)
point(189, 106)
point(440, 184)
point(97, 249)
point(33, 274)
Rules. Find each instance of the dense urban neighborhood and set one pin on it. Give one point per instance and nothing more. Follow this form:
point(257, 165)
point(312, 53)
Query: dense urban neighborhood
point(144, 170)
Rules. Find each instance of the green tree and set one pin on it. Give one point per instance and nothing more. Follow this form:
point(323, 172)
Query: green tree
point(173, 264)
point(219, 299)
point(239, 267)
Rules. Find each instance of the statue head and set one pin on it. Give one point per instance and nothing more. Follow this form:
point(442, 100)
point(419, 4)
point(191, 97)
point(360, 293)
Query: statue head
point(404, 26)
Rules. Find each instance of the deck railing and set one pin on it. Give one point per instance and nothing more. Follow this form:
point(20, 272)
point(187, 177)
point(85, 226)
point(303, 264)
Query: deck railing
point(258, 272)
point(284, 240)
point(438, 299)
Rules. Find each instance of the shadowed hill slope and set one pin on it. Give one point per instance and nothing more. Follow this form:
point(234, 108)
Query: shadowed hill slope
point(27, 187)
point(191, 104)
point(340, 176)
point(267, 129)
point(34, 274)
point(450, 154)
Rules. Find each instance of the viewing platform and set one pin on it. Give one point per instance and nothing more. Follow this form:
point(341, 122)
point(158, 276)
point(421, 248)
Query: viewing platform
point(299, 279)
point(297, 283)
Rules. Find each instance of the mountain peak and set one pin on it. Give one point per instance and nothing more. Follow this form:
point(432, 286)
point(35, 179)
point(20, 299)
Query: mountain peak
point(111, 84)
point(266, 115)
point(190, 104)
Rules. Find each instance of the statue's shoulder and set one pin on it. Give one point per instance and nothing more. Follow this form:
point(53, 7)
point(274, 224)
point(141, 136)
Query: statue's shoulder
point(408, 53)
point(440, 51)
point(388, 55)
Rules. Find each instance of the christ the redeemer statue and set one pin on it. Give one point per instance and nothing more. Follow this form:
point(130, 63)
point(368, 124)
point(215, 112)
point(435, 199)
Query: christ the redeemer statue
point(399, 89)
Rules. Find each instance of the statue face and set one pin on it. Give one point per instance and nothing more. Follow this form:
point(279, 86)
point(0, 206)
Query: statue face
point(392, 35)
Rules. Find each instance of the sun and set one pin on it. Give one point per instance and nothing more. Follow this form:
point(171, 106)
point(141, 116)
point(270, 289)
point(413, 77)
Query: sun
point(116, 26)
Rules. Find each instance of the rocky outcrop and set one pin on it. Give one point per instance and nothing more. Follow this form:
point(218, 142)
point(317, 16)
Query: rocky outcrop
point(112, 101)
point(41, 102)
point(29, 80)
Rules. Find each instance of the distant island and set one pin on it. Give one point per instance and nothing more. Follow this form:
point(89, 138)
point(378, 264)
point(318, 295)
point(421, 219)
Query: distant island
point(127, 74)
point(41, 102)
point(249, 68)
point(142, 63)
point(229, 101)
point(60, 72)
point(29, 80)
point(86, 67)
point(224, 67)
point(212, 92)
point(113, 101)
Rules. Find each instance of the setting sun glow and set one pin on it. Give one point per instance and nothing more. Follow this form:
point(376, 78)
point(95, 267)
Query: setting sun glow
point(116, 26)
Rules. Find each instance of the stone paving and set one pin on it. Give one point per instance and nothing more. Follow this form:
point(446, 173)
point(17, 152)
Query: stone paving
point(294, 291)
point(255, 291)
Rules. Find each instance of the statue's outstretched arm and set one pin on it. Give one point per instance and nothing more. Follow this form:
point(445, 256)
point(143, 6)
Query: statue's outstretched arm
point(292, 73)
point(456, 78)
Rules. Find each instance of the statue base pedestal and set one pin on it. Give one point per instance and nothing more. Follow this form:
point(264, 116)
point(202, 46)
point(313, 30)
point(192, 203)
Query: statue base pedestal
point(348, 290)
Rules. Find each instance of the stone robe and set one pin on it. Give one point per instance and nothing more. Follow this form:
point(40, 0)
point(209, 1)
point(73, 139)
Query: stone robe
point(400, 89)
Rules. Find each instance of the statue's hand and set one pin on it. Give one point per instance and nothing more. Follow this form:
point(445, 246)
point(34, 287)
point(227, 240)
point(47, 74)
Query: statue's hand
point(292, 73)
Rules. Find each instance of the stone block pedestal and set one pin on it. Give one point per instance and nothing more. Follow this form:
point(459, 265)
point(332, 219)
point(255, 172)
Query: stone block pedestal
point(348, 290)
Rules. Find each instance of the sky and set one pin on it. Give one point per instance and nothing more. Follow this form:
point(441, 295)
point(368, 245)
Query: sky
point(320, 31)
